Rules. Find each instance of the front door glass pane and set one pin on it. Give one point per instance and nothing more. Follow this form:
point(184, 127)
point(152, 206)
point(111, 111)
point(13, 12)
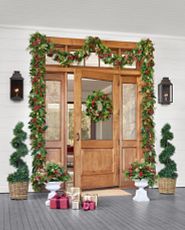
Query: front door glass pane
point(90, 130)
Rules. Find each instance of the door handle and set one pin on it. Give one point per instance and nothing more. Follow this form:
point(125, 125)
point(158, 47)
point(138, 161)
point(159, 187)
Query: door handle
point(77, 137)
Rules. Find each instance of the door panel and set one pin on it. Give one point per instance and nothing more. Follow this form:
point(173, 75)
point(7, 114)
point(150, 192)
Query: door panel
point(54, 155)
point(128, 156)
point(104, 181)
point(103, 165)
point(96, 153)
point(130, 126)
point(55, 117)
point(106, 144)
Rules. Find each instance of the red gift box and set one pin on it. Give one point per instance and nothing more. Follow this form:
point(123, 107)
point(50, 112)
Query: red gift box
point(59, 202)
point(90, 197)
point(88, 205)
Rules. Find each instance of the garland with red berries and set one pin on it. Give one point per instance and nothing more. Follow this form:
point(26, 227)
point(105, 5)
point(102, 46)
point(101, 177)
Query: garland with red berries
point(39, 47)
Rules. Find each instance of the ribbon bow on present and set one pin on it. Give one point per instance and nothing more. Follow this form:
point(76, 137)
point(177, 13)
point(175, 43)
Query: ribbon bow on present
point(75, 196)
point(74, 193)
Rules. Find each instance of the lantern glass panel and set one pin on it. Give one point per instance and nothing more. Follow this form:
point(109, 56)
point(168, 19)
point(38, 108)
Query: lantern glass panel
point(171, 93)
point(16, 89)
point(166, 94)
point(165, 91)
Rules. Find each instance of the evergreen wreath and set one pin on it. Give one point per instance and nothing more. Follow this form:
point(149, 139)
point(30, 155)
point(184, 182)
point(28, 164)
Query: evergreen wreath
point(99, 106)
point(40, 46)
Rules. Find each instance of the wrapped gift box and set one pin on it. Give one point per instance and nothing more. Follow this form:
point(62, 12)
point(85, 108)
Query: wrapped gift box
point(75, 205)
point(90, 197)
point(88, 205)
point(74, 194)
point(59, 202)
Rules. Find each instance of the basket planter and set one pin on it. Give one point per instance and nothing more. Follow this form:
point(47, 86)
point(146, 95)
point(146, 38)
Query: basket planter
point(167, 185)
point(18, 190)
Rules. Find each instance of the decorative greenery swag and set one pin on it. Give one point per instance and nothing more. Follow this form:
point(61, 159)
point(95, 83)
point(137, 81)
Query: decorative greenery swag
point(40, 47)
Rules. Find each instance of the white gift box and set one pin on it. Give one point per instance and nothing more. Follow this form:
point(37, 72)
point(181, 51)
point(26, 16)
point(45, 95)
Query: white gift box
point(75, 205)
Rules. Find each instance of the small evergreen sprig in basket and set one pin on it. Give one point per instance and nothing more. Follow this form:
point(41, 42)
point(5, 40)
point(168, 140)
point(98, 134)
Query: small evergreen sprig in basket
point(50, 172)
point(141, 170)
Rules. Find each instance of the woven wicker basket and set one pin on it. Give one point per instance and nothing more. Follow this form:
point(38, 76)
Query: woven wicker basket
point(167, 185)
point(18, 190)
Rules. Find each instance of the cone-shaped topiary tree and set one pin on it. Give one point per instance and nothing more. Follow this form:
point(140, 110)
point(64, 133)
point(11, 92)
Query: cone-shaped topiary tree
point(22, 173)
point(169, 171)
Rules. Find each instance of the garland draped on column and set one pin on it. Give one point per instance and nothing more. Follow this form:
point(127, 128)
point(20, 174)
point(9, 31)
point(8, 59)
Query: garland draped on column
point(39, 47)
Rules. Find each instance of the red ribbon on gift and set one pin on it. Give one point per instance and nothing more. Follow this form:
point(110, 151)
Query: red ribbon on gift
point(58, 198)
point(58, 202)
point(88, 205)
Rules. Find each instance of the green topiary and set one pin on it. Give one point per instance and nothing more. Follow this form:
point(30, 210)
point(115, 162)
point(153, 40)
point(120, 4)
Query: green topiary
point(22, 173)
point(169, 171)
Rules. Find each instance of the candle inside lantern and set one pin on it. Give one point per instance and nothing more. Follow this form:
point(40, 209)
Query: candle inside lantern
point(16, 92)
point(166, 96)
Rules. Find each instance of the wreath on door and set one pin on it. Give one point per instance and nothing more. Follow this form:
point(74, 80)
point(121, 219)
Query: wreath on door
point(99, 106)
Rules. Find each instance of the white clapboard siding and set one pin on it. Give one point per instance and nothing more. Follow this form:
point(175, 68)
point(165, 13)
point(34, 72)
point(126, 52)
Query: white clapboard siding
point(169, 59)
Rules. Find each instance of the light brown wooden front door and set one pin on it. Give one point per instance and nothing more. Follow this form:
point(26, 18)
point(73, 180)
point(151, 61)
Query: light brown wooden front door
point(102, 150)
point(96, 145)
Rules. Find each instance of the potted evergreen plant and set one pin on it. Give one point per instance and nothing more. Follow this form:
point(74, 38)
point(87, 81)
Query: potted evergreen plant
point(18, 181)
point(141, 171)
point(167, 176)
point(143, 174)
point(50, 173)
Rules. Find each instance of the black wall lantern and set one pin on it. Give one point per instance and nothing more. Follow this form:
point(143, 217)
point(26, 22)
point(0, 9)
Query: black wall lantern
point(165, 91)
point(16, 86)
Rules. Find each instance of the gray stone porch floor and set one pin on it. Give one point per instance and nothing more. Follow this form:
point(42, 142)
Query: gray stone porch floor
point(163, 212)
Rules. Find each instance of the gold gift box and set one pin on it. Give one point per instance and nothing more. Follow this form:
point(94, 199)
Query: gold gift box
point(74, 193)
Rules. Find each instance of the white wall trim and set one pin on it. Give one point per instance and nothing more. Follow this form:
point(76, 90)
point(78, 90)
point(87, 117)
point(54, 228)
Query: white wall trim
point(81, 33)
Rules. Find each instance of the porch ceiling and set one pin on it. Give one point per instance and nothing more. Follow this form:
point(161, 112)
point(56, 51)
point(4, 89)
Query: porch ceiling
point(132, 16)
